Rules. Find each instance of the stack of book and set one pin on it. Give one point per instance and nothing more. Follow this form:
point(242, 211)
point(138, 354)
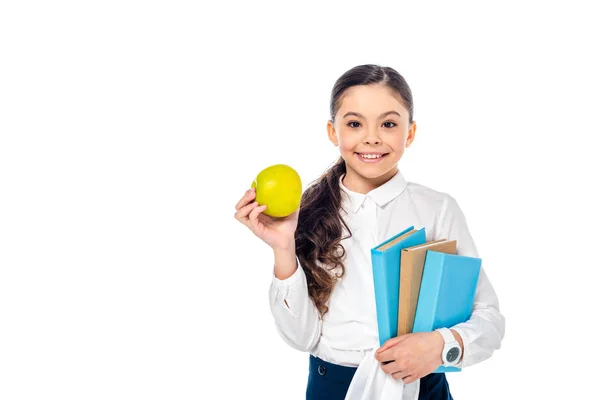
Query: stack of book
point(422, 286)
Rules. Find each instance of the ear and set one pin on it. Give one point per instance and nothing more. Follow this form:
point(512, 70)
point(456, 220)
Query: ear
point(331, 133)
point(411, 134)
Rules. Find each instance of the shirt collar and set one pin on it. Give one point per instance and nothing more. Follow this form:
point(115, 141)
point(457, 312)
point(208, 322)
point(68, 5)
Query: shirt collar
point(381, 195)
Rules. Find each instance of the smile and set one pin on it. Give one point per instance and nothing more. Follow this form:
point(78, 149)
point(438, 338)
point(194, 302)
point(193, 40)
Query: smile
point(371, 157)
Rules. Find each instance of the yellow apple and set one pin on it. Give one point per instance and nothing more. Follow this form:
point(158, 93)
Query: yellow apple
point(279, 188)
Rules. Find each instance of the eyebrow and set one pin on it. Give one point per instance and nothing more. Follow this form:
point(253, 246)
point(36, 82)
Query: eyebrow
point(362, 116)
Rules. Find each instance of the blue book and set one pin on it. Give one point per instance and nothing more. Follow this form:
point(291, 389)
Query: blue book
point(385, 260)
point(447, 293)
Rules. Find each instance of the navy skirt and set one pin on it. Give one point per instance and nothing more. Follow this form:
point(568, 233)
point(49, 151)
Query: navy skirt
point(327, 381)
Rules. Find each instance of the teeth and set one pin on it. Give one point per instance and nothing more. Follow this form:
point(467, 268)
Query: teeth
point(371, 155)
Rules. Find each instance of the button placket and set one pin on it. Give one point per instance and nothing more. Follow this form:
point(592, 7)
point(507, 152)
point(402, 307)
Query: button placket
point(370, 217)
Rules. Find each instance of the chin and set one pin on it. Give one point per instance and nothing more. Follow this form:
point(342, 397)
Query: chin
point(373, 172)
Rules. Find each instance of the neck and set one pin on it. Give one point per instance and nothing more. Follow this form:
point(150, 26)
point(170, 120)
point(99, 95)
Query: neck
point(364, 185)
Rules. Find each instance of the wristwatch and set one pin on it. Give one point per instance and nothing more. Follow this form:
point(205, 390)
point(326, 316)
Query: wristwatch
point(452, 352)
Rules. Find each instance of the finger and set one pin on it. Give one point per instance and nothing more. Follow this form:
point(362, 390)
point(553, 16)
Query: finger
point(265, 219)
point(242, 214)
point(387, 354)
point(248, 196)
point(254, 214)
point(390, 367)
point(384, 356)
point(401, 374)
point(391, 342)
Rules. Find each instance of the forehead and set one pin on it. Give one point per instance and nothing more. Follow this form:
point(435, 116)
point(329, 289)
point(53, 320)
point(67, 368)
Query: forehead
point(371, 100)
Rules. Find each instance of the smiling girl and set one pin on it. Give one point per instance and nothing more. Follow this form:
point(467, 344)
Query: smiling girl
point(322, 296)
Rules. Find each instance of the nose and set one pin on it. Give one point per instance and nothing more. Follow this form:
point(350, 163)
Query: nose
point(372, 137)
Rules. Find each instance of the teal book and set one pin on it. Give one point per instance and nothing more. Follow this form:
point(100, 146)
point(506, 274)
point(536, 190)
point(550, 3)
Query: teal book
point(447, 293)
point(385, 260)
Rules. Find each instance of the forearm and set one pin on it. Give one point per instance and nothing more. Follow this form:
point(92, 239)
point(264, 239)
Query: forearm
point(285, 262)
point(482, 334)
point(296, 317)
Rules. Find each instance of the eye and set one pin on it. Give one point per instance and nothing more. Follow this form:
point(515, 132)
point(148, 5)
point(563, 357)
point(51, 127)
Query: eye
point(389, 122)
point(353, 126)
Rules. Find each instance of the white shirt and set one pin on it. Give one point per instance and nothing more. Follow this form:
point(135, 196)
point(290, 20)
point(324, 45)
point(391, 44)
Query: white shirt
point(348, 332)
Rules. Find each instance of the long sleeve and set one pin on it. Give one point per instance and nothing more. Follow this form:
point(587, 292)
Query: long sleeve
point(484, 331)
point(298, 321)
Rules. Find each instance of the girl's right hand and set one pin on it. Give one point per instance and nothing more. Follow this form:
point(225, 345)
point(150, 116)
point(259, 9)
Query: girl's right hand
point(278, 233)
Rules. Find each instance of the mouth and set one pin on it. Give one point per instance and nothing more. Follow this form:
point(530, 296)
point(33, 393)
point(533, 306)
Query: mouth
point(371, 158)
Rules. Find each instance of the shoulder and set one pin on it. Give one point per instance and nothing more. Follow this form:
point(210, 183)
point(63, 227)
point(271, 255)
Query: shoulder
point(448, 220)
point(428, 196)
point(441, 206)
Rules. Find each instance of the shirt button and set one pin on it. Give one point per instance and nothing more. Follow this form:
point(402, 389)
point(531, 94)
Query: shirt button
point(322, 370)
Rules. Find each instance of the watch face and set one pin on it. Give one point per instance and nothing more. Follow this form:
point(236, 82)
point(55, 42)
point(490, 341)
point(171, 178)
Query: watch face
point(452, 354)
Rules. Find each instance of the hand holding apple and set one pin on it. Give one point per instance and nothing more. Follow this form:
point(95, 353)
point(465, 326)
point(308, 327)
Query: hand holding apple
point(281, 190)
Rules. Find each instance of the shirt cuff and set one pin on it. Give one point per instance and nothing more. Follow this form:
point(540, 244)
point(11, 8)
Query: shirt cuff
point(289, 292)
point(289, 281)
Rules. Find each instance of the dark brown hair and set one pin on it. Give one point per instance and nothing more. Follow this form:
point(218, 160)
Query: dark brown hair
point(320, 225)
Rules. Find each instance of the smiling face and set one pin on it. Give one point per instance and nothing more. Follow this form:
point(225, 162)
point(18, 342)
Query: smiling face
point(372, 129)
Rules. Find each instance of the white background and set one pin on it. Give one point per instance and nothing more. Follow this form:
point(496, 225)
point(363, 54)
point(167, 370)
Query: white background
point(129, 130)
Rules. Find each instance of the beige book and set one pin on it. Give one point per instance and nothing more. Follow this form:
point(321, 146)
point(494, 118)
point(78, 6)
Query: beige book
point(411, 272)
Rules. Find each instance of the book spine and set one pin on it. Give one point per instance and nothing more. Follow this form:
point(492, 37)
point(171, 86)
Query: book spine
point(381, 295)
point(405, 293)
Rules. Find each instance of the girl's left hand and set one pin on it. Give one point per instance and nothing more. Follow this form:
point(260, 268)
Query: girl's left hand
point(412, 356)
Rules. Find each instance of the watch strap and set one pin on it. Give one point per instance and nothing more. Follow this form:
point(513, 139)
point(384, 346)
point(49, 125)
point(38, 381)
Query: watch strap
point(447, 335)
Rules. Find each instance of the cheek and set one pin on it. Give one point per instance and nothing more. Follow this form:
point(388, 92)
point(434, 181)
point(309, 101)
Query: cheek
point(346, 145)
point(400, 139)
point(398, 143)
